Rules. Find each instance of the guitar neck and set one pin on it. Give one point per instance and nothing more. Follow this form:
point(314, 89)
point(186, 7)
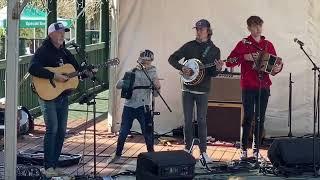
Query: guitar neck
point(112, 62)
point(74, 74)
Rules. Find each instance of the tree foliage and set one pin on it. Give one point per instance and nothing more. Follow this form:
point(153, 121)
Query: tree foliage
point(66, 8)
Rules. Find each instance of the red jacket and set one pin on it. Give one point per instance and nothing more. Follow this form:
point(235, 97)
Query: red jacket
point(249, 76)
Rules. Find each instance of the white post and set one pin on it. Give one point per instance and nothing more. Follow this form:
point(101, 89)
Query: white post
point(11, 90)
point(112, 109)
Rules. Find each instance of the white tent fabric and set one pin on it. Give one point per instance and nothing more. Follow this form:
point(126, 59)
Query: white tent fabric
point(164, 26)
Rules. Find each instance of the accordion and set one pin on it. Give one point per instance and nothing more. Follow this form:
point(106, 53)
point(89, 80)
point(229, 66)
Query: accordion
point(127, 86)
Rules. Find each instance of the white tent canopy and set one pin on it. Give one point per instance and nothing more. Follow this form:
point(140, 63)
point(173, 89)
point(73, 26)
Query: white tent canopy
point(164, 26)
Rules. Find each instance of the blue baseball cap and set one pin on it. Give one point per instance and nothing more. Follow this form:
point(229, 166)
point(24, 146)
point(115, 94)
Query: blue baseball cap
point(202, 23)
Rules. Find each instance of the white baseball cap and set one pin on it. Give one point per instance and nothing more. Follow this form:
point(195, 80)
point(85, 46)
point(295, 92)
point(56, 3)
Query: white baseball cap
point(57, 27)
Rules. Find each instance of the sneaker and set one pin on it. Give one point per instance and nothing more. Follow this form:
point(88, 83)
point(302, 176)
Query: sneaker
point(255, 154)
point(243, 155)
point(113, 159)
point(50, 172)
point(60, 172)
point(206, 158)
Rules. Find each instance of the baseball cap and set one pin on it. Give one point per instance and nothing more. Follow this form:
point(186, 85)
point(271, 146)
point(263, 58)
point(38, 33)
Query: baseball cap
point(57, 27)
point(202, 23)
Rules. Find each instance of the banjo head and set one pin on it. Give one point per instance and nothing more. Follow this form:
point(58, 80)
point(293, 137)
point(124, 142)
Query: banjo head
point(194, 65)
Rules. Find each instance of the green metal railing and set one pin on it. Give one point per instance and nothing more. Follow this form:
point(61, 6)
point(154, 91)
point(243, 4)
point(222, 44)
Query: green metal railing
point(29, 99)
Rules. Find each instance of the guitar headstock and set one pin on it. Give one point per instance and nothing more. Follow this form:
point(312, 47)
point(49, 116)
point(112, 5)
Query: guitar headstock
point(112, 62)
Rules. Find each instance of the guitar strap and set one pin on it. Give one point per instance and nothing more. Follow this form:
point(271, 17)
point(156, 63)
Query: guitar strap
point(205, 52)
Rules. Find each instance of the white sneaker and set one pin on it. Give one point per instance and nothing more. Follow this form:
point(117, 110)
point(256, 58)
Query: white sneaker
point(243, 155)
point(206, 158)
point(50, 172)
point(60, 172)
point(113, 159)
point(255, 154)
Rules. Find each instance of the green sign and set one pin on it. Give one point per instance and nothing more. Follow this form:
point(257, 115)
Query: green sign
point(36, 23)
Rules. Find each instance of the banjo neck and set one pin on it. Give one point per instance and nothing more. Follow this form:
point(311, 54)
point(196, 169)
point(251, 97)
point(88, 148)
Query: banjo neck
point(213, 64)
point(207, 65)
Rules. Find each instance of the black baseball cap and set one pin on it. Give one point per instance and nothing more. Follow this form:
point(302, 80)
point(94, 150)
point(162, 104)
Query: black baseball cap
point(202, 23)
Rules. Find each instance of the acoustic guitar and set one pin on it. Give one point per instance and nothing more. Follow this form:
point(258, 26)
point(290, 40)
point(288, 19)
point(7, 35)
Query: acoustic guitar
point(49, 89)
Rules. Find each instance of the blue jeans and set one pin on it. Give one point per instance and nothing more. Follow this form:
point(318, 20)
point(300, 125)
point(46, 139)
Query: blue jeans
point(250, 99)
point(142, 115)
point(55, 115)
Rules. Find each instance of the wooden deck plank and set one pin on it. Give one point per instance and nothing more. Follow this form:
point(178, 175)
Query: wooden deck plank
point(104, 152)
point(88, 151)
point(129, 150)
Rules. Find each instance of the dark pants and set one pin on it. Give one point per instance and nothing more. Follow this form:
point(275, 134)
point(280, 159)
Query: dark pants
point(201, 100)
point(55, 115)
point(142, 115)
point(250, 100)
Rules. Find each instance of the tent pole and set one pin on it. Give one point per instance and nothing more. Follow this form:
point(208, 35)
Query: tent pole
point(12, 59)
point(112, 112)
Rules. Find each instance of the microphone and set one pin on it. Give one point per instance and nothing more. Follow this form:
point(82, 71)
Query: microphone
point(245, 41)
point(71, 43)
point(74, 44)
point(298, 41)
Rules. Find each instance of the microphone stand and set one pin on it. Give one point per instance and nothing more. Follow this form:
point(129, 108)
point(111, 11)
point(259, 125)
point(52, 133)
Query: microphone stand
point(90, 99)
point(290, 111)
point(257, 124)
point(315, 69)
point(150, 124)
point(290, 106)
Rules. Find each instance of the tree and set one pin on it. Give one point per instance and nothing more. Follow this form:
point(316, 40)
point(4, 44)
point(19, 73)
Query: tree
point(92, 7)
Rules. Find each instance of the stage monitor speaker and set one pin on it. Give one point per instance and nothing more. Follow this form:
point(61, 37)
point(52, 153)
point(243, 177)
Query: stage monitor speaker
point(165, 165)
point(290, 152)
point(224, 121)
point(225, 88)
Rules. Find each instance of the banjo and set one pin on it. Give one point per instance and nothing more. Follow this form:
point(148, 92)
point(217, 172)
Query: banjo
point(198, 69)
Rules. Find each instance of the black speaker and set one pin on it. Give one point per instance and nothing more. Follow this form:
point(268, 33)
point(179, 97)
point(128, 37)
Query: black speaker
point(165, 165)
point(291, 152)
point(228, 113)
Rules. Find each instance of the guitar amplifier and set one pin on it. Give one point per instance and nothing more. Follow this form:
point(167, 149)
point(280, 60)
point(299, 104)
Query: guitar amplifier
point(225, 88)
point(224, 121)
point(165, 165)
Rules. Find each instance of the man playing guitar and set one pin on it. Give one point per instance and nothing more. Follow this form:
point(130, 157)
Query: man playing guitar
point(52, 53)
point(248, 53)
point(203, 49)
